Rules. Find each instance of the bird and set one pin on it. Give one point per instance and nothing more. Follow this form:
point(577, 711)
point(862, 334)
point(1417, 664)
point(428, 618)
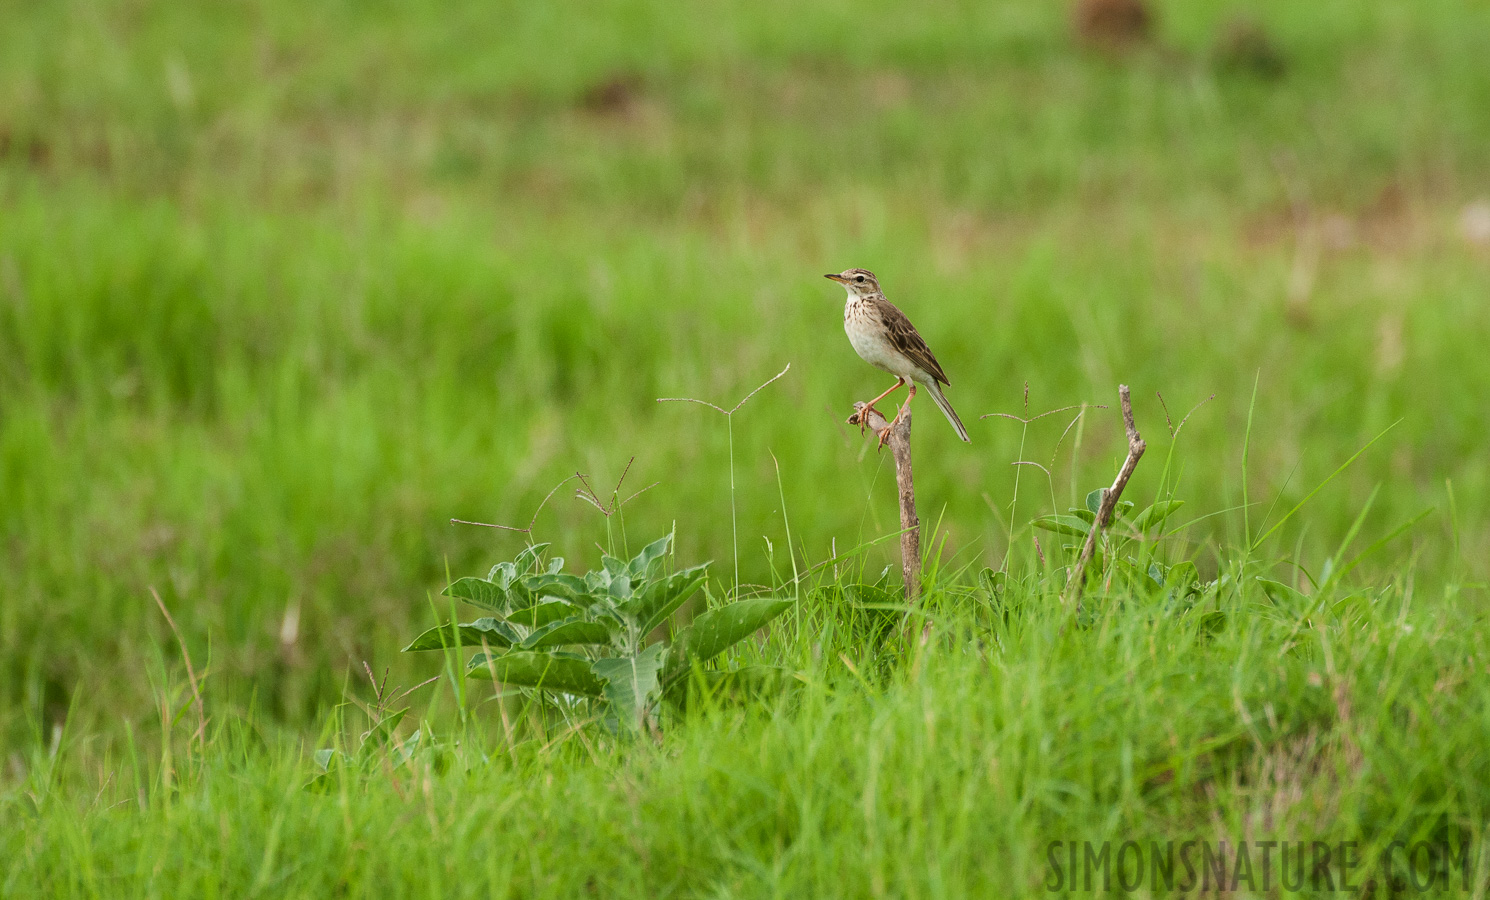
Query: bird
point(886, 339)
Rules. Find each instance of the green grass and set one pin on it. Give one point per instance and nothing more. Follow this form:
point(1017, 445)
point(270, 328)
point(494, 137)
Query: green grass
point(1354, 718)
point(284, 290)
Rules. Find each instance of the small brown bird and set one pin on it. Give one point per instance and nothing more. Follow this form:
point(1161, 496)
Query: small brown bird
point(886, 339)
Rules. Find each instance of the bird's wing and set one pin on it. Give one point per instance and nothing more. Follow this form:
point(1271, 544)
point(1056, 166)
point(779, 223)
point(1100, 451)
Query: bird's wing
point(906, 339)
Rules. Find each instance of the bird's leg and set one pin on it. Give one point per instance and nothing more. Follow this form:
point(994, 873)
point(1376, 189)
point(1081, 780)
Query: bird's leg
point(891, 390)
point(870, 405)
point(885, 435)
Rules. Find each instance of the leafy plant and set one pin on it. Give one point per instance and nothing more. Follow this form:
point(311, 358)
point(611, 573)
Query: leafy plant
point(378, 745)
point(1141, 571)
point(599, 636)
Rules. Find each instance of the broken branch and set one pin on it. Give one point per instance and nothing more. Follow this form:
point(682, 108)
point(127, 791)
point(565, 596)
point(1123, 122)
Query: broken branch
point(899, 440)
point(1110, 497)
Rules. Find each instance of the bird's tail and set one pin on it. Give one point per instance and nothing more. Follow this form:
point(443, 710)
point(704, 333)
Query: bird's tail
point(935, 391)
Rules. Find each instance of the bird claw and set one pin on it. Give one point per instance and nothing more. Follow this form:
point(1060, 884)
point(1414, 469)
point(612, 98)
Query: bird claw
point(861, 417)
point(885, 435)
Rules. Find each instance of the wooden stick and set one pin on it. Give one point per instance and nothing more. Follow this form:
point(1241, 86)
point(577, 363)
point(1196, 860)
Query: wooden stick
point(1110, 497)
point(910, 524)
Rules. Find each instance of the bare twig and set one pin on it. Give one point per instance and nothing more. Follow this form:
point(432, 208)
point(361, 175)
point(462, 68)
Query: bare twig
point(1110, 497)
point(191, 674)
point(910, 524)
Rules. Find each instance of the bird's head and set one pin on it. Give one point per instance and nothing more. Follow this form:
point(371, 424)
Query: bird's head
point(858, 282)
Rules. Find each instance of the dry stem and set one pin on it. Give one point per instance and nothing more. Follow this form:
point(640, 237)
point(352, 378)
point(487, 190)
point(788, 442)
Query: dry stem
point(910, 524)
point(1110, 497)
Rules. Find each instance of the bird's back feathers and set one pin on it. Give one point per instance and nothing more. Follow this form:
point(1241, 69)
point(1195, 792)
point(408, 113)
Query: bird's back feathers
point(907, 340)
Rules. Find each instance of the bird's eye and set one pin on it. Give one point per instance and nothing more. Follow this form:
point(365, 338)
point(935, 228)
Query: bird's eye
point(858, 277)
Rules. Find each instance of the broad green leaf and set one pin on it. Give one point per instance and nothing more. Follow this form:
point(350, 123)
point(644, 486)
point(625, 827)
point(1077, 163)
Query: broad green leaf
point(718, 629)
point(613, 566)
point(541, 614)
point(631, 682)
point(570, 587)
point(502, 574)
point(641, 564)
point(1156, 514)
point(1062, 525)
point(479, 592)
point(556, 565)
point(527, 561)
point(606, 613)
point(1122, 509)
point(1181, 574)
point(620, 587)
point(597, 581)
point(519, 597)
point(1084, 515)
point(662, 598)
point(538, 669)
point(573, 630)
point(492, 632)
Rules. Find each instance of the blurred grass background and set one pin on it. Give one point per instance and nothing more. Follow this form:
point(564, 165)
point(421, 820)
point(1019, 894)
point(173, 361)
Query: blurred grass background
point(284, 287)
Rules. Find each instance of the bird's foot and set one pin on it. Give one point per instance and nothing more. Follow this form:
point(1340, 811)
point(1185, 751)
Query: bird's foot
point(885, 435)
point(861, 416)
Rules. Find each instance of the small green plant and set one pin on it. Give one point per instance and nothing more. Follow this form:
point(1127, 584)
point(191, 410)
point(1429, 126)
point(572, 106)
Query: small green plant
point(372, 746)
point(600, 636)
point(379, 745)
point(1127, 556)
point(1141, 569)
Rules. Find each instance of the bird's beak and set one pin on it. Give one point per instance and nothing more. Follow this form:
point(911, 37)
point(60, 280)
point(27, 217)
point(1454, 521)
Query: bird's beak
point(838, 278)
